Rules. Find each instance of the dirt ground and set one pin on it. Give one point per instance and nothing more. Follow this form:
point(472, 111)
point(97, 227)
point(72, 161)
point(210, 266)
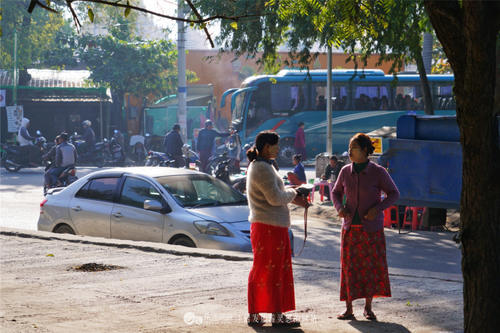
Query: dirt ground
point(46, 287)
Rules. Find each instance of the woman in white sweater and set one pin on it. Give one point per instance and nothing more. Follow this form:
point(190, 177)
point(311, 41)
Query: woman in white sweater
point(270, 282)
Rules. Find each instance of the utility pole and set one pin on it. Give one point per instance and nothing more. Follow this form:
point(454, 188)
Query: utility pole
point(14, 88)
point(181, 73)
point(329, 96)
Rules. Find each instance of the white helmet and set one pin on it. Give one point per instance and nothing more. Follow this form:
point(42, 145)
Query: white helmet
point(87, 123)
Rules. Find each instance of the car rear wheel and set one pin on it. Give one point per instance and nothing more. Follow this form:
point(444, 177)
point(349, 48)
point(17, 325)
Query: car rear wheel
point(64, 229)
point(183, 241)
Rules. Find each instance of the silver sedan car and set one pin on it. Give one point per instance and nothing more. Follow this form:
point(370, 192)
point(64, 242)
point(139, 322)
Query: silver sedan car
point(174, 206)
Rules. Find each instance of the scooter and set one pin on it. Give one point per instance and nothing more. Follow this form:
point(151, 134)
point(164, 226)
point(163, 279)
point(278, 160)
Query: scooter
point(238, 182)
point(191, 158)
point(17, 157)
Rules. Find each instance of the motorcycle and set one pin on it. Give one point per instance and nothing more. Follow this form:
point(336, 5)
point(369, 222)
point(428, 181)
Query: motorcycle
point(138, 151)
point(117, 155)
point(221, 154)
point(191, 158)
point(17, 157)
point(222, 172)
point(97, 156)
point(156, 158)
point(67, 177)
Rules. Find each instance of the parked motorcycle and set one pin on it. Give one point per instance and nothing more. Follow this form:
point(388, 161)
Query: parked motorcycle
point(222, 172)
point(191, 158)
point(137, 149)
point(67, 176)
point(17, 157)
point(221, 154)
point(96, 156)
point(117, 155)
point(156, 158)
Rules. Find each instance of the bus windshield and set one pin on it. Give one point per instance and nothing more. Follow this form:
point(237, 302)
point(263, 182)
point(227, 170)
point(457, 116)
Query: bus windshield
point(239, 107)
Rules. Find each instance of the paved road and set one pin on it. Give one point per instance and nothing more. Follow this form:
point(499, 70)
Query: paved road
point(422, 253)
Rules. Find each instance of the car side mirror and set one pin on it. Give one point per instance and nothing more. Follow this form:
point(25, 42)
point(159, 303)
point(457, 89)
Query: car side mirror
point(157, 206)
point(153, 205)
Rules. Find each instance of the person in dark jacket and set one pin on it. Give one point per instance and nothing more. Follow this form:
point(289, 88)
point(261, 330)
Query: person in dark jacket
point(206, 139)
point(173, 145)
point(332, 171)
point(65, 156)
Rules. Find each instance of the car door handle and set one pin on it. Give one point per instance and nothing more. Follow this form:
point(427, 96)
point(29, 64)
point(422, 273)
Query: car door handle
point(76, 208)
point(117, 215)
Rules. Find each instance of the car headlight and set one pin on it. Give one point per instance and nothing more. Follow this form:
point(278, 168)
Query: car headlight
point(211, 228)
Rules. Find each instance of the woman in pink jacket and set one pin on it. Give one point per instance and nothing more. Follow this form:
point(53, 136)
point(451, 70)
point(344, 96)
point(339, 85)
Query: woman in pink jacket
point(364, 272)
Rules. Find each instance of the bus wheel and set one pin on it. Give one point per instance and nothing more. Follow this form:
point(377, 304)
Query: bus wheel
point(286, 152)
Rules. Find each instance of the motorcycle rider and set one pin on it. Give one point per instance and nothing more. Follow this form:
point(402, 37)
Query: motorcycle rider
point(173, 146)
point(88, 136)
point(205, 143)
point(26, 140)
point(51, 157)
point(65, 156)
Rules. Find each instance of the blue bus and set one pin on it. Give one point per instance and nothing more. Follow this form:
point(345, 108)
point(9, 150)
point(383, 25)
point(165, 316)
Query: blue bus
point(362, 101)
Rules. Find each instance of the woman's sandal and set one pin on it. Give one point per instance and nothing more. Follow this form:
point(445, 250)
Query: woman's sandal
point(285, 322)
point(346, 316)
point(255, 320)
point(370, 315)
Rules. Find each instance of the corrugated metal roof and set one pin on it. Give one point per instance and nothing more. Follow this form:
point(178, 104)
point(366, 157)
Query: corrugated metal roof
point(51, 78)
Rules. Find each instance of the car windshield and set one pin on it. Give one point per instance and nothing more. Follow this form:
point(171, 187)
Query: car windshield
point(200, 191)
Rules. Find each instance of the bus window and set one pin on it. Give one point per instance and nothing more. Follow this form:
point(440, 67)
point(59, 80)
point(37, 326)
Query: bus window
point(408, 97)
point(259, 109)
point(443, 96)
point(371, 97)
point(318, 97)
point(286, 97)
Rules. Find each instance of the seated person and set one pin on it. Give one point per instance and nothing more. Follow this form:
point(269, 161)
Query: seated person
point(332, 171)
point(298, 175)
point(321, 104)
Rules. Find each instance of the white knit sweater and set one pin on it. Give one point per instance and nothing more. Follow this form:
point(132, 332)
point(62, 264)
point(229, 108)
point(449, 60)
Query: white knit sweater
point(267, 196)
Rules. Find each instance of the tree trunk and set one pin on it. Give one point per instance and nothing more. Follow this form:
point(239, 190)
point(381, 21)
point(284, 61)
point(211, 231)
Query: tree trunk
point(468, 34)
point(426, 89)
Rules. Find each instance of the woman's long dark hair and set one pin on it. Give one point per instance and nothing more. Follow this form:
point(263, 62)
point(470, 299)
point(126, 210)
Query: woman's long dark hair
point(262, 138)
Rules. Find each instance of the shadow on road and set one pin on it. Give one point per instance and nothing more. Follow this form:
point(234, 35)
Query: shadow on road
point(370, 326)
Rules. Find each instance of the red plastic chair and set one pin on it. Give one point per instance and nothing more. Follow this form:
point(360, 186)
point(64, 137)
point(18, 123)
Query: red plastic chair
point(413, 217)
point(391, 217)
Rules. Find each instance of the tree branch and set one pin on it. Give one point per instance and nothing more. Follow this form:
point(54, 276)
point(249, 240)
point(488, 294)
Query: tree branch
point(195, 11)
point(175, 18)
point(34, 3)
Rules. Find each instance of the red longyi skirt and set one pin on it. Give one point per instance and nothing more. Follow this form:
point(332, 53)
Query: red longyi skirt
point(270, 282)
point(364, 270)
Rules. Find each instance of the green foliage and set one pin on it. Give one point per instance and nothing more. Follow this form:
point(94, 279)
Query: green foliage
point(390, 28)
point(136, 66)
point(124, 61)
point(39, 37)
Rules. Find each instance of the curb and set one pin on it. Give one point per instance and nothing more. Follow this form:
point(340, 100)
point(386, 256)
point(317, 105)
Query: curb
point(127, 244)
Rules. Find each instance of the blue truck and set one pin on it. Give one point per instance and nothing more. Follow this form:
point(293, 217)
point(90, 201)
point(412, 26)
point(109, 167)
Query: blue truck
point(425, 162)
